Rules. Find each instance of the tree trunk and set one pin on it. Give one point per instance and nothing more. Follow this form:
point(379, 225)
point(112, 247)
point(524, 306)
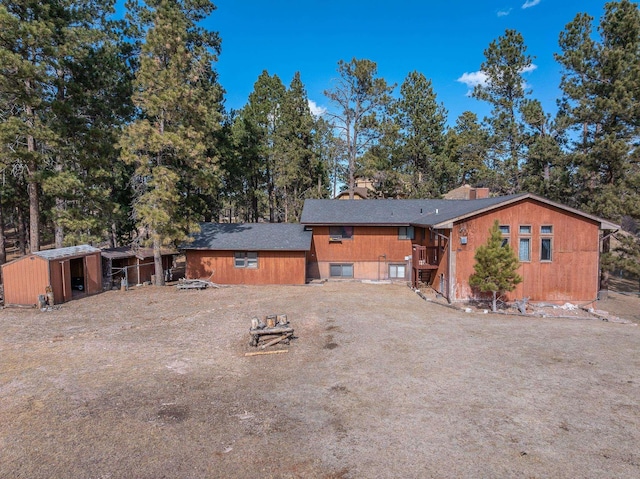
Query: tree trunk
point(32, 184)
point(22, 232)
point(3, 246)
point(58, 228)
point(34, 214)
point(157, 260)
point(494, 302)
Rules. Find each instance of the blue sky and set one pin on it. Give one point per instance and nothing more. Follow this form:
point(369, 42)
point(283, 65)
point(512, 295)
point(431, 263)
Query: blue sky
point(442, 39)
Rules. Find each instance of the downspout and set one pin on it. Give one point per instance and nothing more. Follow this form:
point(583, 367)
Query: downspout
point(450, 279)
point(385, 259)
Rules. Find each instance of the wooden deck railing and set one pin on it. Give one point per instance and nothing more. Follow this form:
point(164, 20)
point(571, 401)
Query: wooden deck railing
point(425, 257)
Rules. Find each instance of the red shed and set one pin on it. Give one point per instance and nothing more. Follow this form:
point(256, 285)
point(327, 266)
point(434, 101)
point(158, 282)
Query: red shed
point(70, 272)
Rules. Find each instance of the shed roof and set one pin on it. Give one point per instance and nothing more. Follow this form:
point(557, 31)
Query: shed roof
point(251, 236)
point(430, 213)
point(67, 252)
point(130, 252)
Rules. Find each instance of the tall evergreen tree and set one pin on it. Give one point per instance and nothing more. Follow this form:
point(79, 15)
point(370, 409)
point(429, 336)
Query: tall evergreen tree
point(297, 170)
point(174, 94)
point(27, 51)
point(546, 171)
point(601, 105)
point(362, 99)
point(505, 62)
point(421, 124)
point(264, 111)
point(467, 146)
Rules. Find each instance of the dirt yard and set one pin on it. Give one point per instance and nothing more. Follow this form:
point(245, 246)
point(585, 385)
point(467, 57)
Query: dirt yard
point(154, 383)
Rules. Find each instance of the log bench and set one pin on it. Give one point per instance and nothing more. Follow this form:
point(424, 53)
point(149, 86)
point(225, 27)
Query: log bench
point(270, 336)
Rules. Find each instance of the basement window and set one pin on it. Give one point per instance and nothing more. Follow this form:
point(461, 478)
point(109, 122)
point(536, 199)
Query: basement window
point(397, 271)
point(341, 270)
point(246, 259)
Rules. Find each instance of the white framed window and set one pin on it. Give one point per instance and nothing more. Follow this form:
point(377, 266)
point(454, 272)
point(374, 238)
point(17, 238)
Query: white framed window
point(524, 249)
point(406, 232)
point(525, 229)
point(245, 259)
point(545, 249)
point(505, 229)
point(342, 270)
point(397, 271)
point(546, 229)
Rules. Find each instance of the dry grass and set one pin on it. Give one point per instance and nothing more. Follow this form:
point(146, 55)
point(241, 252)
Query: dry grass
point(153, 383)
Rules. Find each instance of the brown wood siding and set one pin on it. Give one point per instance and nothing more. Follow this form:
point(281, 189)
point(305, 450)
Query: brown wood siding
point(93, 273)
point(28, 277)
point(571, 275)
point(274, 267)
point(371, 250)
point(367, 244)
point(24, 280)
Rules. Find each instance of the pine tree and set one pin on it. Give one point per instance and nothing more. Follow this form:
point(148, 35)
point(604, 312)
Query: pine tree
point(421, 125)
point(264, 112)
point(505, 62)
point(600, 104)
point(27, 48)
point(495, 268)
point(296, 170)
point(362, 100)
point(467, 146)
point(174, 94)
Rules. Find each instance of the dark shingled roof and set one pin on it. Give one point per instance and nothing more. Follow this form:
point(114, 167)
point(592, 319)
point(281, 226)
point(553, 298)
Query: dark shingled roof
point(251, 237)
point(428, 213)
point(392, 212)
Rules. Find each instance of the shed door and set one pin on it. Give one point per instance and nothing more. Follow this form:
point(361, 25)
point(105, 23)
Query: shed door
point(92, 273)
point(67, 294)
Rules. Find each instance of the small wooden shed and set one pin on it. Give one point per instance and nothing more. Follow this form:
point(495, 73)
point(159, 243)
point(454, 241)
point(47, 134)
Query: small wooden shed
point(135, 265)
point(69, 272)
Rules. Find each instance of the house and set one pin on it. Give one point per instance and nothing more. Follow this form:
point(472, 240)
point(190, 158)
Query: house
point(467, 192)
point(135, 265)
point(248, 253)
point(434, 241)
point(363, 187)
point(68, 272)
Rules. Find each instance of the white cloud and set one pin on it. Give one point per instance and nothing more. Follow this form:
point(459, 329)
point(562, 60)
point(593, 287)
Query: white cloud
point(474, 78)
point(531, 3)
point(315, 109)
point(504, 13)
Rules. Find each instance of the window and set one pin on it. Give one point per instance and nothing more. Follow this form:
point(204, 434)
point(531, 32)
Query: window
point(246, 259)
point(525, 230)
point(545, 249)
point(397, 271)
point(524, 249)
point(406, 232)
point(338, 233)
point(546, 229)
point(341, 270)
point(505, 230)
